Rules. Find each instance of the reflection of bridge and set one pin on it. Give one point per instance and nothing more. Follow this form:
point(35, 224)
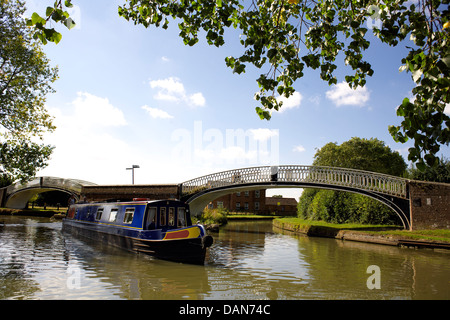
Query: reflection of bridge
point(419, 204)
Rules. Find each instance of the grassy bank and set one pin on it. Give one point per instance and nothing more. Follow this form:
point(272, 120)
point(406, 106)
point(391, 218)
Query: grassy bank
point(320, 228)
point(30, 212)
point(221, 216)
point(238, 216)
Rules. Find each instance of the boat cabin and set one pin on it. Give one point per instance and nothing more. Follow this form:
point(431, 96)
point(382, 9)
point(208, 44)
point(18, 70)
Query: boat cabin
point(144, 215)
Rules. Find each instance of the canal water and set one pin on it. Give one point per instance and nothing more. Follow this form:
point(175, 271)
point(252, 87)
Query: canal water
point(249, 260)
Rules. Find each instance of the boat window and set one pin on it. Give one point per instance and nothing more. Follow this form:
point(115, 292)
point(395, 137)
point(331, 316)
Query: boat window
point(181, 217)
point(162, 219)
point(129, 213)
point(113, 215)
point(151, 218)
point(99, 213)
point(171, 216)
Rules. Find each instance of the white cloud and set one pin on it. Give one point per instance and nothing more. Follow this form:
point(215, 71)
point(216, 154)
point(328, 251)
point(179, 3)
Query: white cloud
point(93, 111)
point(85, 146)
point(197, 99)
point(263, 134)
point(341, 94)
point(156, 113)
point(172, 89)
point(293, 101)
point(299, 148)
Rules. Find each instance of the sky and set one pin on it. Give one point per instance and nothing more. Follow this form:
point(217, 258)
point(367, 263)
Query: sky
point(127, 96)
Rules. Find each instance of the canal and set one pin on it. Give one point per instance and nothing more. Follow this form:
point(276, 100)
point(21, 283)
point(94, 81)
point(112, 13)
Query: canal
point(249, 260)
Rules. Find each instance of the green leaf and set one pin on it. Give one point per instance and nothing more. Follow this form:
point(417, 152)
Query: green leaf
point(49, 11)
point(69, 23)
point(401, 111)
point(37, 19)
point(192, 42)
point(52, 35)
point(431, 160)
point(421, 165)
point(239, 68)
point(263, 114)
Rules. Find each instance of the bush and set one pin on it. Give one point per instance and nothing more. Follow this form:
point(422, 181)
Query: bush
point(213, 216)
point(304, 205)
point(344, 207)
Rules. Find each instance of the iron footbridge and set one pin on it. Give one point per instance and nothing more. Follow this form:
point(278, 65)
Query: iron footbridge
point(390, 190)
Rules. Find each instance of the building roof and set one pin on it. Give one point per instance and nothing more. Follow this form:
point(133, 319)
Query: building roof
point(272, 201)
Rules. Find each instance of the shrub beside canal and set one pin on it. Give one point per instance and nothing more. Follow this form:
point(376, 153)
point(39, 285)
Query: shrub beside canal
point(212, 217)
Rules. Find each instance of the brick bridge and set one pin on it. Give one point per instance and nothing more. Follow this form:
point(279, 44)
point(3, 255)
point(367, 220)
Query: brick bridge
point(419, 204)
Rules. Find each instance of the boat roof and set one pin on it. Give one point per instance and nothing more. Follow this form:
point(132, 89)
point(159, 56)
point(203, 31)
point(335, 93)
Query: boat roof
point(125, 202)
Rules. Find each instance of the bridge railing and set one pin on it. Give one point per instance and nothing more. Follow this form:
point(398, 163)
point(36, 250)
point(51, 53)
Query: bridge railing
point(357, 179)
point(50, 182)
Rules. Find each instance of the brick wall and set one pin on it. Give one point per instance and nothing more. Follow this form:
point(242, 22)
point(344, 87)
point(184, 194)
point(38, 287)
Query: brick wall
point(255, 201)
point(430, 205)
point(128, 192)
point(245, 201)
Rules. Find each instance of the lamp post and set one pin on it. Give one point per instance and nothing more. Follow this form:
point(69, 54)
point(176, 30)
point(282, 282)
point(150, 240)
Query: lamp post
point(134, 166)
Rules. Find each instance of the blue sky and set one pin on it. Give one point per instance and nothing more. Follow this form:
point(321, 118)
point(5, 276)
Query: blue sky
point(129, 95)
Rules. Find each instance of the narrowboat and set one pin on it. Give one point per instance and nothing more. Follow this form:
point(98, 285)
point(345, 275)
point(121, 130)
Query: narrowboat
point(160, 228)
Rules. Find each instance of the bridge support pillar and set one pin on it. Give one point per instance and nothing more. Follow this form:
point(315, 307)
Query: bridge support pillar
point(3, 196)
point(429, 205)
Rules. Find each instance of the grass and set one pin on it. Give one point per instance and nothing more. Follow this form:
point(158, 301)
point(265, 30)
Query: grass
point(250, 216)
point(343, 226)
point(433, 235)
point(49, 208)
point(441, 235)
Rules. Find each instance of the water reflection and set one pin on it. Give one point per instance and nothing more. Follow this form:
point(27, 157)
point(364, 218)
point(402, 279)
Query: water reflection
point(248, 260)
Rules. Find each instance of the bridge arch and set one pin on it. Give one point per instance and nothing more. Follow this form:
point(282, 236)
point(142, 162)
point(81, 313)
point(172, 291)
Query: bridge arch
point(390, 190)
point(16, 196)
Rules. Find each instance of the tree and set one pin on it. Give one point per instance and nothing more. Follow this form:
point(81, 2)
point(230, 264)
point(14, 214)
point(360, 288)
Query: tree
point(362, 154)
point(339, 207)
point(25, 78)
point(439, 173)
point(285, 36)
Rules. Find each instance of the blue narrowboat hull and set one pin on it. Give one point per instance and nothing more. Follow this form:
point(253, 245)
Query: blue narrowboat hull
point(191, 251)
point(185, 244)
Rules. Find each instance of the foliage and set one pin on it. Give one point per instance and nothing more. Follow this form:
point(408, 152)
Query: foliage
point(52, 198)
point(362, 154)
point(56, 14)
point(213, 216)
point(25, 78)
point(341, 207)
point(287, 36)
point(5, 180)
point(439, 173)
